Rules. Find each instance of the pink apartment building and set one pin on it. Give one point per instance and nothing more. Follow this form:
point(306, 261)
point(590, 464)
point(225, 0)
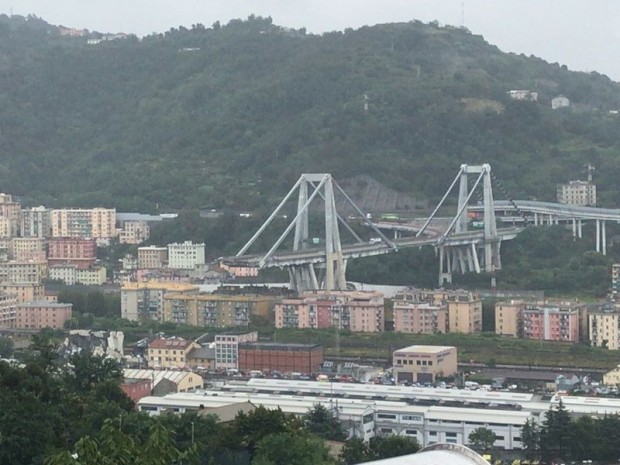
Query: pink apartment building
point(42, 314)
point(72, 251)
point(356, 311)
point(551, 323)
point(420, 318)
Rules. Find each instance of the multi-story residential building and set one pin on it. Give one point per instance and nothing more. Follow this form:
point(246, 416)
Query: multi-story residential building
point(23, 272)
point(27, 248)
point(170, 353)
point(145, 300)
point(551, 322)
point(577, 193)
point(219, 310)
point(93, 276)
point(23, 292)
point(509, 318)
point(423, 364)
point(152, 257)
point(81, 252)
point(239, 271)
point(96, 223)
point(134, 232)
point(63, 273)
point(9, 210)
point(8, 304)
point(464, 312)
point(227, 348)
point(357, 311)
point(186, 256)
point(35, 222)
point(439, 310)
point(604, 326)
point(615, 281)
point(42, 314)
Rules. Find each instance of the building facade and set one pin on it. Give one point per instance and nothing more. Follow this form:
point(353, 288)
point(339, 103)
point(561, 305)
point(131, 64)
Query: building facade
point(423, 364)
point(77, 251)
point(267, 357)
point(8, 304)
point(509, 318)
point(186, 256)
point(36, 222)
point(97, 223)
point(23, 292)
point(152, 257)
point(551, 322)
point(145, 300)
point(170, 353)
point(27, 248)
point(227, 348)
point(357, 311)
point(218, 310)
point(42, 314)
point(134, 232)
point(604, 327)
point(577, 193)
point(23, 272)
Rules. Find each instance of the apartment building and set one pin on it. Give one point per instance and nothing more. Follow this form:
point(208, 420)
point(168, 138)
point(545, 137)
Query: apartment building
point(35, 222)
point(23, 272)
point(27, 248)
point(227, 348)
point(93, 276)
point(186, 256)
point(509, 318)
point(63, 273)
point(357, 311)
point(577, 193)
point(464, 312)
point(42, 314)
point(8, 304)
point(218, 310)
point(24, 292)
point(97, 223)
point(170, 353)
point(134, 232)
point(81, 252)
point(551, 322)
point(152, 257)
point(615, 281)
point(9, 214)
point(423, 364)
point(604, 326)
point(145, 300)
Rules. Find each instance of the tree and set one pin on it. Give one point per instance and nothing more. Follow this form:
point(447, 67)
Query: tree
point(322, 423)
point(383, 447)
point(555, 433)
point(530, 437)
point(6, 347)
point(291, 448)
point(355, 451)
point(481, 439)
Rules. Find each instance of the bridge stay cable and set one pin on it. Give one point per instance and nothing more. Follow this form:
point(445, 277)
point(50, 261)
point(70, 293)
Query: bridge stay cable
point(445, 196)
point(514, 205)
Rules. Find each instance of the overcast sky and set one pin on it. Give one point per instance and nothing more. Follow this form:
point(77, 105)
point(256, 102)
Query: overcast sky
point(582, 34)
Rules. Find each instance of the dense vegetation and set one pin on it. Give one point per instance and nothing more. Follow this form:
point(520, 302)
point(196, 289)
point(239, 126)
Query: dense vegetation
point(229, 116)
point(75, 413)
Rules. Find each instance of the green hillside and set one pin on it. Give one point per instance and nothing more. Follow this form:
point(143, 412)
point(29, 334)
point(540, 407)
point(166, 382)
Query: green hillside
point(229, 116)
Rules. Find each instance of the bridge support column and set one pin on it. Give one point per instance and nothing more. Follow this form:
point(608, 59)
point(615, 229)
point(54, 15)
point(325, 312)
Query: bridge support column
point(445, 274)
point(604, 238)
point(535, 219)
point(474, 254)
point(598, 235)
point(579, 231)
point(574, 228)
point(396, 234)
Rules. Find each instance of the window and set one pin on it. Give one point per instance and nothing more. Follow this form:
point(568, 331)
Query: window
point(432, 433)
point(388, 416)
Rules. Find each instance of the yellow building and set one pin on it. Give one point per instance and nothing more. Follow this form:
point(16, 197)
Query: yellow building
point(23, 292)
point(181, 381)
point(145, 300)
point(509, 318)
point(23, 272)
point(464, 312)
point(604, 327)
point(170, 353)
point(423, 364)
point(98, 223)
point(152, 257)
point(612, 378)
point(221, 310)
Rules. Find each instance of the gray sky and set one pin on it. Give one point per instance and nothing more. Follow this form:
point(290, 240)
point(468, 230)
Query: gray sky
point(582, 34)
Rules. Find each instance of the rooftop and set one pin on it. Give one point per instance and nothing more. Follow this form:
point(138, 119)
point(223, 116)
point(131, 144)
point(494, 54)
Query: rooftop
point(425, 349)
point(173, 343)
point(278, 346)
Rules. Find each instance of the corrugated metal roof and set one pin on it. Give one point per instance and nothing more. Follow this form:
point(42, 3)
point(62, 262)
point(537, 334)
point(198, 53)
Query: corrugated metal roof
point(157, 375)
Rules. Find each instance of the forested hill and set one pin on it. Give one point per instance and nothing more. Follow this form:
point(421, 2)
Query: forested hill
point(229, 116)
